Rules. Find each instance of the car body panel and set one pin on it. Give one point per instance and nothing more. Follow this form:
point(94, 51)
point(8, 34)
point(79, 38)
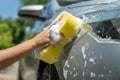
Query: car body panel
point(90, 58)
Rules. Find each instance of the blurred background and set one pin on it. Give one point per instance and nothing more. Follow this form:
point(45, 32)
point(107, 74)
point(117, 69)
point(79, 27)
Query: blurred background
point(12, 30)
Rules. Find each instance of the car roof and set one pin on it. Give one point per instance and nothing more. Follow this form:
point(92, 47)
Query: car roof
point(94, 10)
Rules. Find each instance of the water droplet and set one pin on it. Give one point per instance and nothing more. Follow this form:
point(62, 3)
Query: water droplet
point(75, 74)
point(66, 64)
point(92, 60)
point(83, 74)
point(65, 73)
point(84, 18)
point(105, 67)
point(110, 71)
point(72, 57)
point(83, 52)
point(101, 57)
point(92, 74)
point(102, 75)
point(85, 63)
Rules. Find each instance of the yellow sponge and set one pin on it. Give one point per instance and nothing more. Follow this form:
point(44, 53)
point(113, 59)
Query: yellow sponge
point(69, 28)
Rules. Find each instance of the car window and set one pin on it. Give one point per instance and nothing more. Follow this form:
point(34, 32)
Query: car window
point(107, 29)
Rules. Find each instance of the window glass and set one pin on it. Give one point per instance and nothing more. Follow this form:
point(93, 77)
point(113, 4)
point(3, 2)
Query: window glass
point(107, 29)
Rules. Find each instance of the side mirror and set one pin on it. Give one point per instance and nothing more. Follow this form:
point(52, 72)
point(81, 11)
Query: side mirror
point(32, 12)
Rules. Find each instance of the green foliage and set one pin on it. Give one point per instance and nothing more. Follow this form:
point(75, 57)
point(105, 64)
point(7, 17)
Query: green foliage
point(28, 2)
point(11, 32)
point(5, 36)
point(17, 26)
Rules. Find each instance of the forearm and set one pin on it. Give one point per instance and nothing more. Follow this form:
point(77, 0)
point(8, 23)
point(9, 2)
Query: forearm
point(11, 55)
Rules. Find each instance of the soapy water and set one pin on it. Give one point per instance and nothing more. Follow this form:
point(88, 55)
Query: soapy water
point(101, 75)
point(92, 74)
point(83, 73)
point(55, 35)
point(72, 57)
point(84, 56)
point(84, 18)
point(92, 60)
point(75, 74)
point(65, 71)
point(67, 64)
point(83, 52)
point(87, 58)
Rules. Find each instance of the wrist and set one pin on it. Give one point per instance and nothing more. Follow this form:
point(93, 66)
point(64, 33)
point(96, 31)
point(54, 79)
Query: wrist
point(33, 43)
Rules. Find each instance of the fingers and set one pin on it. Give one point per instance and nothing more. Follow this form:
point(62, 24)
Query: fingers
point(48, 27)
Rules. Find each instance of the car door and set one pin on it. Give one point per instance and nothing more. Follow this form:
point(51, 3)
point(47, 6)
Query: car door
point(93, 55)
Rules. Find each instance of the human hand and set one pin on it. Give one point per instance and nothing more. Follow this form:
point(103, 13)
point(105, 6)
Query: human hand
point(42, 38)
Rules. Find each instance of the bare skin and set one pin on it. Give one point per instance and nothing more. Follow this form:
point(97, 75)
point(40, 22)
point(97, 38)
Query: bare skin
point(11, 55)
